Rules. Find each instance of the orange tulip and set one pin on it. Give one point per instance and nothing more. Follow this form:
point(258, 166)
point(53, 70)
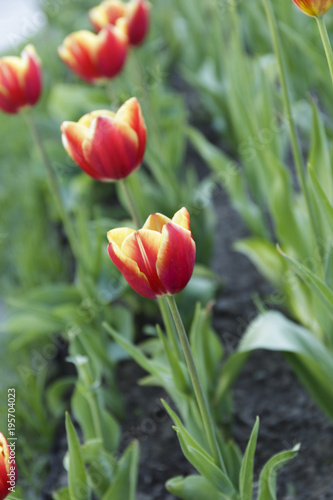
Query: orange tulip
point(157, 259)
point(133, 15)
point(107, 146)
point(314, 8)
point(20, 80)
point(94, 57)
point(8, 472)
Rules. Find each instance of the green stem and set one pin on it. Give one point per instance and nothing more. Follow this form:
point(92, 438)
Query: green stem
point(92, 398)
point(132, 207)
point(288, 109)
point(169, 326)
point(326, 43)
point(55, 189)
point(198, 390)
point(54, 186)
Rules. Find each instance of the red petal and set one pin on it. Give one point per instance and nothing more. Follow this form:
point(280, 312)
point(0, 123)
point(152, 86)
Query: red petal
point(130, 112)
point(138, 21)
point(73, 135)
point(143, 247)
point(11, 80)
point(33, 75)
point(77, 52)
point(131, 272)
point(176, 257)
point(111, 148)
point(112, 51)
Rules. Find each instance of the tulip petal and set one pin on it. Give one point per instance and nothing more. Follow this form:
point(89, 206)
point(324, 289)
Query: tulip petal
point(176, 257)
point(77, 52)
point(155, 222)
point(11, 83)
point(73, 135)
point(138, 16)
point(130, 112)
point(118, 235)
point(112, 51)
point(106, 13)
point(182, 218)
point(33, 76)
point(111, 148)
point(143, 247)
point(131, 272)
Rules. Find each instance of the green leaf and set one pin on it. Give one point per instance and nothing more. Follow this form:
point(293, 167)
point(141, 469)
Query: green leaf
point(265, 257)
point(318, 286)
point(193, 488)
point(311, 360)
point(125, 482)
point(62, 494)
point(199, 457)
point(77, 476)
point(325, 207)
point(246, 473)
point(267, 478)
point(319, 157)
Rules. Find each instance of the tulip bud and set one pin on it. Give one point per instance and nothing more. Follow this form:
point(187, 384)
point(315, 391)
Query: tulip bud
point(107, 146)
point(314, 8)
point(133, 16)
point(20, 80)
point(8, 472)
point(157, 259)
point(94, 57)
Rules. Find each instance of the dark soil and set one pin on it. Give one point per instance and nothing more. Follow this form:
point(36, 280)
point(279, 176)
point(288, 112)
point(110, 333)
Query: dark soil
point(267, 387)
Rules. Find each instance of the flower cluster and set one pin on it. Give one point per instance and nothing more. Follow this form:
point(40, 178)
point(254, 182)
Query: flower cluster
point(95, 57)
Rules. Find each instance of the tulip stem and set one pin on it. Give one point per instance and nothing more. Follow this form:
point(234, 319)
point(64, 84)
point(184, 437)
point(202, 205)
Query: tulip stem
point(169, 326)
point(288, 110)
point(53, 183)
point(326, 43)
point(198, 390)
point(132, 207)
point(55, 189)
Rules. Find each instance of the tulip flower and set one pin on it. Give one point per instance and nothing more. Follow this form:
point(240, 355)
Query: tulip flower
point(8, 473)
point(107, 146)
point(134, 15)
point(20, 80)
point(157, 259)
point(95, 57)
point(314, 8)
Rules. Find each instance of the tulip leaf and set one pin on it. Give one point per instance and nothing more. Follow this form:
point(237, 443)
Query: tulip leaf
point(62, 494)
point(199, 457)
point(265, 257)
point(319, 287)
point(267, 478)
point(319, 157)
point(324, 204)
point(193, 488)
point(311, 360)
point(125, 481)
point(246, 472)
point(77, 476)
point(227, 174)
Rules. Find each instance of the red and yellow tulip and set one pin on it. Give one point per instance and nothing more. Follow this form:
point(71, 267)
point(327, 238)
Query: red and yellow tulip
point(107, 146)
point(314, 8)
point(20, 80)
point(95, 57)
point(157, 259)
point(134, 16)
point(8, 472)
